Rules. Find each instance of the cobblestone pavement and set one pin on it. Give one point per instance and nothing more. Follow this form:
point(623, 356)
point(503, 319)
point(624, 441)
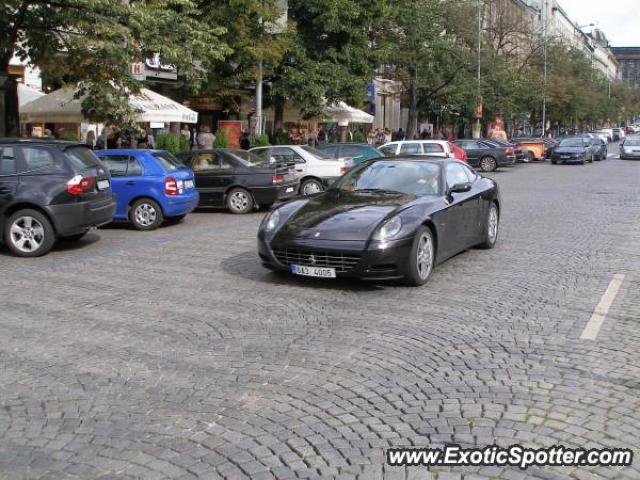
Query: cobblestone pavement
point(174, 354)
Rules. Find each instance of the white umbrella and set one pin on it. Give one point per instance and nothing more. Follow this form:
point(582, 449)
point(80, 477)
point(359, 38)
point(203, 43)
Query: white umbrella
point(60, 106)
point(342, 113)
point(27, 94)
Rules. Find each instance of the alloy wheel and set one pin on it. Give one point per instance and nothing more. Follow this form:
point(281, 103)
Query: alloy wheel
point(145, 214)
point(239, 201)
point(492, 230)
point(424, 260)
point(26, 234)
point(311, 187)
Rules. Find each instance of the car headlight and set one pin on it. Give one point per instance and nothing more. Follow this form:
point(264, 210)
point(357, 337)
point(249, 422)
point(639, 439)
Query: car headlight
point(271, 222)
point(389, 229)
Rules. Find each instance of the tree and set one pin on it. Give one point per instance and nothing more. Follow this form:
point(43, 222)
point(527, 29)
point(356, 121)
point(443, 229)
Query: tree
point(94, 42)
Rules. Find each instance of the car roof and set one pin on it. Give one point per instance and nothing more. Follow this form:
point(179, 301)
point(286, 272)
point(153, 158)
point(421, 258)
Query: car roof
point(127, 151)
point(40, 141)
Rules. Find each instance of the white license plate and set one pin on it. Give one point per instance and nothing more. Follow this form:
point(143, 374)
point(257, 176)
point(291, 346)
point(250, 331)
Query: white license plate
point(289, 190)
point(188, 184)
point(313, 271)
point(103, 184)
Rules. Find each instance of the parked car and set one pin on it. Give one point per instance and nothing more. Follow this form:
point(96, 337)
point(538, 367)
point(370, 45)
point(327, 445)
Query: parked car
point(533, 148)
point(618, 134)
point(50, 190)
point(608, 131)
point(239, 180)
point(487, 156)
point(150, 186)
point(573, 150)
point(459, 153)
point(432, 148)
point(314, 169)
point(508, 147)
point(386, 219)
point(603, 135)
point(630, 148)
point(598, 145)
point(357, 152)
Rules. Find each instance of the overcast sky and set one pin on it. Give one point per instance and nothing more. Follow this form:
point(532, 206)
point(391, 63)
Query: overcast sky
point(618, 19)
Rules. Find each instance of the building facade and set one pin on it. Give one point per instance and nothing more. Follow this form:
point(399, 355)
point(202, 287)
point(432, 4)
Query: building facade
point(629, 61)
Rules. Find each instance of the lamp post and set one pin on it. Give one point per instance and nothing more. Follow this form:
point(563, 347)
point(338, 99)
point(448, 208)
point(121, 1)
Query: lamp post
point(478, 127)
point(544, 81)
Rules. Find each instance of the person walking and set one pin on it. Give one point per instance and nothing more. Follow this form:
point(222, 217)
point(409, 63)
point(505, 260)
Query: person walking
point(400, 135)
point(90, 139)
point(205, 138)
point(245, 141)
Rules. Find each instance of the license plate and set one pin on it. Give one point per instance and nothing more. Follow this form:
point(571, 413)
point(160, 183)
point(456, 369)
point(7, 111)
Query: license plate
point(289, 190)
point(103, 184)
point(188, 184)
point(565, 156)
point(313, 271)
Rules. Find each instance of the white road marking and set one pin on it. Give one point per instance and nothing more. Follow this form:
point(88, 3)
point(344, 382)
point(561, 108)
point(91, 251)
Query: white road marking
point(592, 329)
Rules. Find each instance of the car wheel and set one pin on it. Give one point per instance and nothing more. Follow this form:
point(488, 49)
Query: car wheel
point(553, 162)
point(239, 201)
point(72, 238)
point(146, 214)
point(493, 226)
point(531, 157)
point(311, 186)
point(28, 233)
point(488, 164)
point(176, 219)
point(421, 261)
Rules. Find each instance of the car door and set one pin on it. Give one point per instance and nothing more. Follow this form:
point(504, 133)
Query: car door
point(463, 207)
point(9, 178)
point(213, 176)
point(289, 156)
point(122, 186)
point(475, 151)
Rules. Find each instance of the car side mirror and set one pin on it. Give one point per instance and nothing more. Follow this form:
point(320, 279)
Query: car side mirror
point(460, 188)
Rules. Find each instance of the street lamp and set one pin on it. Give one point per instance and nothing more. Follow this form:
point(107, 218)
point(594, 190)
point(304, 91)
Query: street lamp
point(478, 130)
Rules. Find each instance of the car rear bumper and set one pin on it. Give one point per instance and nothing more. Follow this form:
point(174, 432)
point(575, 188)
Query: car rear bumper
point(630, 155)
point(569, 160)
point(389, 263)
point(271, 194)
point(180, 204)
point(73, 218)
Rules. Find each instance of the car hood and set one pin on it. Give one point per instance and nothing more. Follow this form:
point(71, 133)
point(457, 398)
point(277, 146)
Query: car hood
point(342, 216)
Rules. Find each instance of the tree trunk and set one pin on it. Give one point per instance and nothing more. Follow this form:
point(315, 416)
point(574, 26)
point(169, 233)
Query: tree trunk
point(9, 119)
point(412, 118)
point(278, 117)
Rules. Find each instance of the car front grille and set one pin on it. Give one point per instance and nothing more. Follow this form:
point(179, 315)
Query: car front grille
point(316, 258)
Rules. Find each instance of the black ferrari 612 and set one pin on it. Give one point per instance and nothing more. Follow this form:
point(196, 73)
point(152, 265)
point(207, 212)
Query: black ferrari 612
point(385, 219)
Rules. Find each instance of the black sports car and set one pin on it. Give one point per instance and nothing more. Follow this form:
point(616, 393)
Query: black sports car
point(238, 179)
point(385, 219)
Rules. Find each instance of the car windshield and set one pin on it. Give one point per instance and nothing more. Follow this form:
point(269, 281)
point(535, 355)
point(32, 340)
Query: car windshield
point(393, 177)
point(572, 142)
point(317, 153)
point(635, 142)
point(249, 159)
point(168, 161)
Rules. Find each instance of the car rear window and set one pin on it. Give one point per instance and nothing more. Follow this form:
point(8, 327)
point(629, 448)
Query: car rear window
point(82, 157)
point(317, 153)
point(168, 161)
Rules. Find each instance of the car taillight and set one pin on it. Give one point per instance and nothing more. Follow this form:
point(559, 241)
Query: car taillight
point(277, 178)
point(79, 185)
point(344, 169)
point(509, 151)
point(170, 186)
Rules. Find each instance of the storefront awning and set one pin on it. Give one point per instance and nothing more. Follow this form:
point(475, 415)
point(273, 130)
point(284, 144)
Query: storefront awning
point(345, 114)
point(60, 106)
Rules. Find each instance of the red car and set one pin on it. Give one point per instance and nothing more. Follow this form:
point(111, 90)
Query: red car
point(458, 152)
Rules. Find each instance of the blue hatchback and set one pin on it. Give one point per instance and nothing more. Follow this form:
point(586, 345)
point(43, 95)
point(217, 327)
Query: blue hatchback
point(149, 186)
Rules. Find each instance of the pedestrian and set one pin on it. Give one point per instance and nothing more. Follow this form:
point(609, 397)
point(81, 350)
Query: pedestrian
point(400, 135)
point(90, 139)
point(387, 135)
point(312, 138)
point(149, 138)
point(380, 137)
point(322, 135)
point(245, 141)
point(205, 138)
point(185, 131)
point(371, 137)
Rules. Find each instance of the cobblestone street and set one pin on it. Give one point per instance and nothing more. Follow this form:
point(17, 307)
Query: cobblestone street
point(175, 354)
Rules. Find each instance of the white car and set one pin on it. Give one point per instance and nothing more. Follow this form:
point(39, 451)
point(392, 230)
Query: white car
point(314, 168)
point(434, 148)
point(603, 135)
